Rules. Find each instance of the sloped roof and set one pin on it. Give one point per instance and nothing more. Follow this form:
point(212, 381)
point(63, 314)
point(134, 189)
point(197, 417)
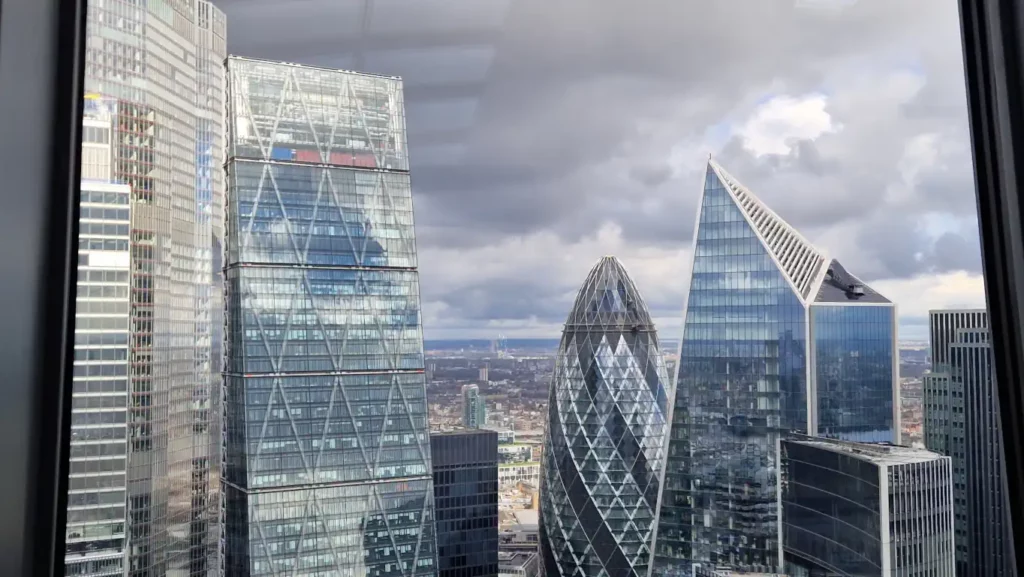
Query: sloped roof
point(835, 287)
point(798, 259)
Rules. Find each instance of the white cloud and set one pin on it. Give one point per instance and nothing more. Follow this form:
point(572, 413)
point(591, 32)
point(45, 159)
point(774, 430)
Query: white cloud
point(916, 296)
point(777, 123)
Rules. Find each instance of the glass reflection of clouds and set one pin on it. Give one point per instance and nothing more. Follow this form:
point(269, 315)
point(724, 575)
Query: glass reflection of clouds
point(777, 338)
point(328, 463)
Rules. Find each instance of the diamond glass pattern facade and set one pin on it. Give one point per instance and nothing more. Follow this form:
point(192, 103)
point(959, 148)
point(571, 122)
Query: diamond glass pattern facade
point(777, 338)
point(603, 448)
point(327, 456)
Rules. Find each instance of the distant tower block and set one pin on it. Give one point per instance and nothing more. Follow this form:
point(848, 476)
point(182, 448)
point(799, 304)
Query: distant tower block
point(484, 373)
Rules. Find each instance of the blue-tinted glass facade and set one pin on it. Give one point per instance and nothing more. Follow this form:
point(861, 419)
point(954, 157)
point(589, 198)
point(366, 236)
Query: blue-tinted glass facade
point(327, 466)
point(741, 382)
point(853, 353)
point(604, 445)
point(466, 502)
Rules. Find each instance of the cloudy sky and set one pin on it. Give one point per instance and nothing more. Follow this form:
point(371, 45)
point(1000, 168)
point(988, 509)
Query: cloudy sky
point(545, 134)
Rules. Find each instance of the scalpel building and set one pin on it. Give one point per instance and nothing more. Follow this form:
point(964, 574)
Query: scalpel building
point(777, 338)
point(605, 434)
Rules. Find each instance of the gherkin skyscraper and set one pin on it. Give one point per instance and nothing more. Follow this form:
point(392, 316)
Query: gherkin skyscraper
point(604, 445)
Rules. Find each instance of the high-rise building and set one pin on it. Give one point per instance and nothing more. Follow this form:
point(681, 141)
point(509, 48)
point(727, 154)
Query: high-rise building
point(327, 466)
point(518, 564)
point(777, 338)
point(603, 448)
point(465, 466)
point(485, 373)
point(157, 69)
point(943, 328)
point(474, 411)
point(97, 483)
point(865, 509)
point(961, 415)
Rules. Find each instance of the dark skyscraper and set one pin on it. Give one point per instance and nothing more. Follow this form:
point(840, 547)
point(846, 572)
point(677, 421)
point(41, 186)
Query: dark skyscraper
point(466, 502)
point(777, 338)
point(328, 457)
point(603, 448)
point(870, 510)
point(961, 415)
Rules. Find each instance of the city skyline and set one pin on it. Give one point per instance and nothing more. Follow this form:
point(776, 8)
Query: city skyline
point(300, 257)
point(561, 144)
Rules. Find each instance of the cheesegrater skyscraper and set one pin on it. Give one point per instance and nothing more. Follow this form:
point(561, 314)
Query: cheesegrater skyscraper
point(328, 466)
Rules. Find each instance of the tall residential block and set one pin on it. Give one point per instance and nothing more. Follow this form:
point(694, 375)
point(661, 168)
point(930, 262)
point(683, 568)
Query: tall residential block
point(604, 445)
point(327, 467)
point(465, 464)
point(474, 411)
point(777, 338)
point(865, 509)
point(97, 477)
point(157, 68)
point(961, 415)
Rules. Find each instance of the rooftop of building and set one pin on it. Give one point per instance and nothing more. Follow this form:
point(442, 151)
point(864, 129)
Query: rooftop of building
point(877, 453)
point(815, 276)
point(519, 464)
point(461, 431)
point(515, 558)
point(607, 299)
point(839, 286)
point(527, 516)
point(309, 67)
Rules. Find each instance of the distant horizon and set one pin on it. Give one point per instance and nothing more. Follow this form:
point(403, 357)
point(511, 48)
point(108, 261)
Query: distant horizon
point(520, 342)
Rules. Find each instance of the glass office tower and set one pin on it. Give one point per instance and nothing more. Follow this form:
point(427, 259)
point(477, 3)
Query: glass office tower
point(777, 338)
point(327, 455)
point(604, 444)
point(158, 68)
point(870, 510)
point(97, 476)
point(961, 415)
point(465, 464)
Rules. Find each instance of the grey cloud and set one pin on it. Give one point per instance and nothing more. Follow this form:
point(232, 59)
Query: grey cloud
point(902, 249)
point(585, 99)
point(651, 175)
point(517, 299)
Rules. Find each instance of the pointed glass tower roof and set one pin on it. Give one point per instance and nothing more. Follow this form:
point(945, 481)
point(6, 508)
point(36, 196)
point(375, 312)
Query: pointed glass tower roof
point(815, 277)
point(795, 256)
point(609, 298)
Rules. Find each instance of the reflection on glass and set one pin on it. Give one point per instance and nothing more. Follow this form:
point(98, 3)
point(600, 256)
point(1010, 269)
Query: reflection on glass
point(777, 339)
point(328, 461)
point(603, 449)
point(854, 355)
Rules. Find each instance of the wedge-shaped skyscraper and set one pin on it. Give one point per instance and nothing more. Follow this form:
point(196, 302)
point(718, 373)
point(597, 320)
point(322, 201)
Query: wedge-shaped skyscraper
point(777, 338)
point(606, 423)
